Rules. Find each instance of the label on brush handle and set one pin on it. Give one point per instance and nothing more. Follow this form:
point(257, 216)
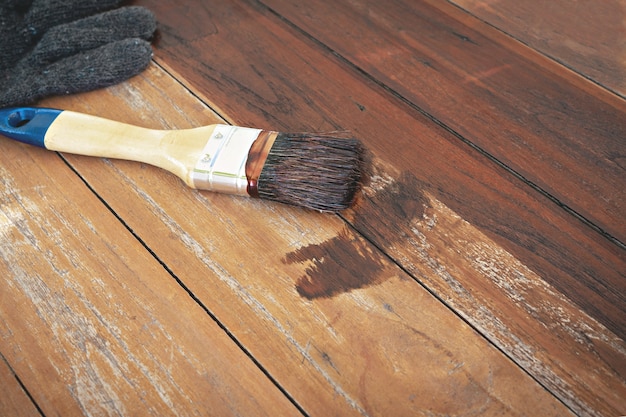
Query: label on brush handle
point(222, 164)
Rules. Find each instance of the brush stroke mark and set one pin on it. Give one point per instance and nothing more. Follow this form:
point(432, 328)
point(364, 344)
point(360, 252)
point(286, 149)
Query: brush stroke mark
point(382, 216)
point(348, 262)
point(341, 264)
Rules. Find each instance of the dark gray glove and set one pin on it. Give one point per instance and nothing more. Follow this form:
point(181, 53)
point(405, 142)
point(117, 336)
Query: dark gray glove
point(54, 47)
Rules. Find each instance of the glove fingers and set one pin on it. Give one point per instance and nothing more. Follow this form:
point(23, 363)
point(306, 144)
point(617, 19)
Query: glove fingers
point(93, 32)
point(93, 69)
point(23, 22)
point(102, 67)
point(13, 42)
point(44, 14)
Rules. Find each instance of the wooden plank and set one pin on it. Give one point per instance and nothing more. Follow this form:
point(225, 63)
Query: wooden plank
point(269, 75)
point(92, 323)
point(363, 351)
point(14, 401)
point(588, 38)
point(556, 130)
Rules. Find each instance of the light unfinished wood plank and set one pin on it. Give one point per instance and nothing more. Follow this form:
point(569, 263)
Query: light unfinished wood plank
point(92, 323)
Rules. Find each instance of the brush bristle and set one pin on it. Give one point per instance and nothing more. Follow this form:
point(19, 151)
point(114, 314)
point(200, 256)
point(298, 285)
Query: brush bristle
point(314, 171)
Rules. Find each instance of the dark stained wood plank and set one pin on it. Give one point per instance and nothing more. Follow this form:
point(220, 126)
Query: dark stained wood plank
point(91, 322)
point(589, 38)
point(374, 343)
point(267, 74)
point(14, 401)
point(555, 129)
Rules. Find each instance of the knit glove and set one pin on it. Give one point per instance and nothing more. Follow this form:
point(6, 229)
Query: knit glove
point(54, 47)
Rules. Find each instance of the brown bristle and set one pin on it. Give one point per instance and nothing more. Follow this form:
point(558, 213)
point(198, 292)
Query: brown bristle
point(311, 170)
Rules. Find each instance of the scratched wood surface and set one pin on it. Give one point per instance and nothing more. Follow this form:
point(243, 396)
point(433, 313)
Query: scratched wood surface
point(455, 286)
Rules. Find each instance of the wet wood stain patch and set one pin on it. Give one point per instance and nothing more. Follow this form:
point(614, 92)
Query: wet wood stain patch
point(347, 262)
point(341, 264)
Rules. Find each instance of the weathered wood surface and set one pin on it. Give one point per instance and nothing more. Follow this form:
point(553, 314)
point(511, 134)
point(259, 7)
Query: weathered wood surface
point(451, 288)
point(589, 38)
point(91, 322)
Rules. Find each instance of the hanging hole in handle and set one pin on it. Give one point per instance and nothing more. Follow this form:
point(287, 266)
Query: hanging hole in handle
point(20, 117)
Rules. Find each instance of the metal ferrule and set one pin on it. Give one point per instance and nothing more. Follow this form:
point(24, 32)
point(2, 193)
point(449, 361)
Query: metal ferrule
point(222, 164)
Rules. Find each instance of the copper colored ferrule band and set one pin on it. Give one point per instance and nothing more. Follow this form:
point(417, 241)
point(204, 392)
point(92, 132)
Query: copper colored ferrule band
point(257, 155)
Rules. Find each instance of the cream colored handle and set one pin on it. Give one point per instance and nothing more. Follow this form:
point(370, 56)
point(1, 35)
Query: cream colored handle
point(176, 151)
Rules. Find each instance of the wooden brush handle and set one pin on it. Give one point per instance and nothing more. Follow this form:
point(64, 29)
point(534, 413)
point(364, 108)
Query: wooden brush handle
point(176, 151)
point(211, 157)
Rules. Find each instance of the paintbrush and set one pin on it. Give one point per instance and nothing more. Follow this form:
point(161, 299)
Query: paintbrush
point(320, 172)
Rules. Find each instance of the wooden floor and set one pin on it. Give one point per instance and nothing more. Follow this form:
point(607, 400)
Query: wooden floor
point(481, 272)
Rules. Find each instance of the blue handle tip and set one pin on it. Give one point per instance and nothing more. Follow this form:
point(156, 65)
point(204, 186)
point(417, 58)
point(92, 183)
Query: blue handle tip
point(27, 124)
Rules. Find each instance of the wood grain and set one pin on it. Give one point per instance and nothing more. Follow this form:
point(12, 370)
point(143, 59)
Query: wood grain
point(514, 104)
point(269, 74)
point(589, 39)
point(364, 351)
